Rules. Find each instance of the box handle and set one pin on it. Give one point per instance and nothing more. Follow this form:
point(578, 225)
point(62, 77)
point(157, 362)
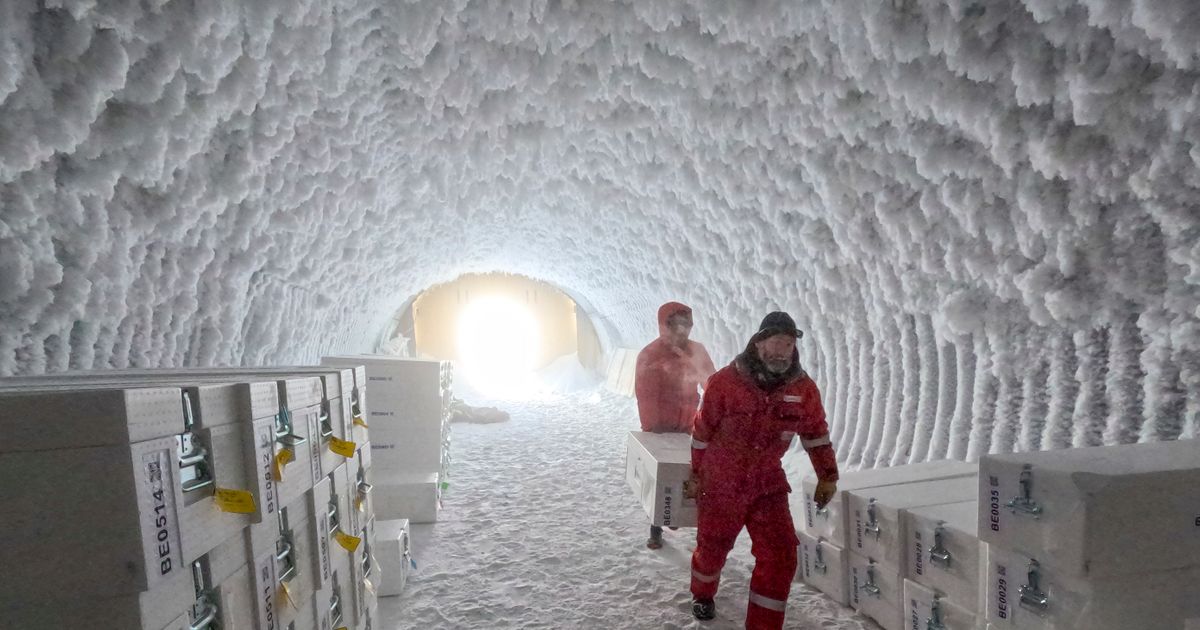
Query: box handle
point(1032, 596)
point(935, 615)
point(284, 550)
point(1024, 504)
point(326, 424)
point(819, 559)
point(938, 554)
point(355, 406)
point(869, 586)
point(204, 610)
point(872, 526)
point(191, 454)
point(332, 513)
point(364, 488)
point(335, 606)
point(283, 429)
point(208, 614)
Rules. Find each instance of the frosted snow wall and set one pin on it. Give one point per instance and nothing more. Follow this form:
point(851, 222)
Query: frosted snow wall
point(984, 213)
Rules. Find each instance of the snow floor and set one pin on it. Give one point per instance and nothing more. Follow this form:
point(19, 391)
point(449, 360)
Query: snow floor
point(540, 530)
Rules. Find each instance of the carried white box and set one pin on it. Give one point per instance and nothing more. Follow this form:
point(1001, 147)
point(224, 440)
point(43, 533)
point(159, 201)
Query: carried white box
point(1027, 596)
point(876, 591)
point(945, 553)
point(832, 523)
point(394, 553)
point(656, 465)
point(825, 567)
point(415, 497)
point(927, 608)
point(875, 514)
point(1100, 511)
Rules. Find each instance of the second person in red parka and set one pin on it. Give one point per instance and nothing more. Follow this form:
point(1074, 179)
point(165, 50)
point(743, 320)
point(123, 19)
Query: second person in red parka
point(669, 371)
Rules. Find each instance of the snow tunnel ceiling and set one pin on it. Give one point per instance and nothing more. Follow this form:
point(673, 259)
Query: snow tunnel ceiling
point(984, 213)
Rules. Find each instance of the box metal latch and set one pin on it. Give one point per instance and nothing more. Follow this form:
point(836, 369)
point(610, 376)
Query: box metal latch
point(204, 610)
point(335, 605)
point(1032, 596)
point(938, 554)
point(872, 526)
point(935, 615)
point(285, 551)
point(195, 472)
point(334, 513)
point(326, 420)
point(1024, 504)
point(869, 585)
point(284, 432)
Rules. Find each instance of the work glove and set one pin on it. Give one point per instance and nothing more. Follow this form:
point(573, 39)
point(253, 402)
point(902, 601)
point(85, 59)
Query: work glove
point(824, 492)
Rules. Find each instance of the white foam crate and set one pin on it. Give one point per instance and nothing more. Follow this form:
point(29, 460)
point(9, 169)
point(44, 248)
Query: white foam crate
point(1026, 596)
point(656, 465)
point(831, 522)
point(876, 526)
point(945, 553)
point(414, 497)
point(876, 591)
point(927, 608)
point(160, 608)
point(112, 513)
point(1102, 511)
point(394, 552)
point(825, 567)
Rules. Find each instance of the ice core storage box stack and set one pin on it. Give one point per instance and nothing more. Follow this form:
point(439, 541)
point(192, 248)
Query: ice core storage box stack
point(1103, 538)
point(409, 418)
point(174, 499)
point(825, 543)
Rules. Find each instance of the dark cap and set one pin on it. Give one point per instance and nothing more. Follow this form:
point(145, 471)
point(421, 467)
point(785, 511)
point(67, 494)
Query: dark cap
point(777, 323)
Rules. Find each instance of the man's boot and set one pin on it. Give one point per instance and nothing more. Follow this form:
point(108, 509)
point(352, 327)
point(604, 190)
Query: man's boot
point(655, 541)
point(704, 609)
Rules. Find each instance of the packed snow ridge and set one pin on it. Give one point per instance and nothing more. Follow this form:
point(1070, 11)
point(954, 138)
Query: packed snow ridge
point(985, 214)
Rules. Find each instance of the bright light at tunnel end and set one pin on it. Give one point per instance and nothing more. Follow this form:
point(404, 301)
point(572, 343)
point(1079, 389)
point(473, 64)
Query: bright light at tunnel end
point(498, 345)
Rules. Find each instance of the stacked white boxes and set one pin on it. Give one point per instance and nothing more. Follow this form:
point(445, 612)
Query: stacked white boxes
point(877, 541)
point(945, 564)
point(409, 418)
point(177, 499)
point(1103, 538)
point(656, 465)
point(824, 551)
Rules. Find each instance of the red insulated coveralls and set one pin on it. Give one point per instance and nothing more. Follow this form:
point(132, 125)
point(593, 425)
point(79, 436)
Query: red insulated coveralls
point(740, 437)
point(667, 376)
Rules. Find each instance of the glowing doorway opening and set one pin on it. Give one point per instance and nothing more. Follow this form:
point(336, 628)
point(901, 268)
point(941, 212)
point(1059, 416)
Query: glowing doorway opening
point(498, 346)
